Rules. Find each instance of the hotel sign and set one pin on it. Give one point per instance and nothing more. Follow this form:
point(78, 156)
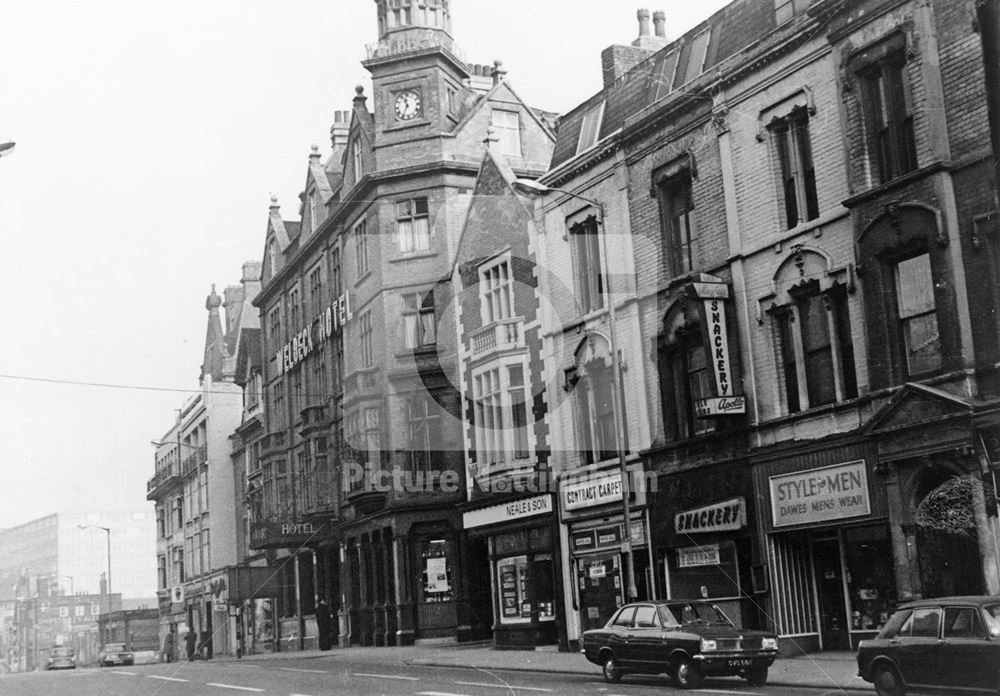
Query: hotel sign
point(330, 321)
point(592, 492)
point(714, 296)
point(516, 510)
point(820, 495)
point(729, 515)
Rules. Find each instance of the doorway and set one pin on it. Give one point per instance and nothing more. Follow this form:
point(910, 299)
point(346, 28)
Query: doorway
point(829, 576)
point(599, 579)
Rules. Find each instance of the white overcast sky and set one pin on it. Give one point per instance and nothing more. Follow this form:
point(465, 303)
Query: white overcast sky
point(150, 137)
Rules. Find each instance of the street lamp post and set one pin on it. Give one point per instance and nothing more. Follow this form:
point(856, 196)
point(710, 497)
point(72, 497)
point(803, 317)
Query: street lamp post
point(533, 187)
point(107, 531)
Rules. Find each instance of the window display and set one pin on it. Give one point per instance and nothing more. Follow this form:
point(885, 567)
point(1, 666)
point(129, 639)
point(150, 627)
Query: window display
point(525, 583)
point(869, 576)
point(704, 571)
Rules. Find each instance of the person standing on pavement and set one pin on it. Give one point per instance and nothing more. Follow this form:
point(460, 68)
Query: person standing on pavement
point(189, 642)
point(168, 646)
point(324, 621)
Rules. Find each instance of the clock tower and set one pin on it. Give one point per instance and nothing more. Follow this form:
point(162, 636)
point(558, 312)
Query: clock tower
point(418, 77)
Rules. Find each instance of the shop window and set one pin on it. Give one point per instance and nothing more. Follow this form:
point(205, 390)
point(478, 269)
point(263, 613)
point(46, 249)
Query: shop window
point(437, 583)
point(917, 315)
point(512, 579)
point(589, 279)
point(677, 220)
point(888, 106)
point(795, 166)
point(870, 576)
point(708, 571)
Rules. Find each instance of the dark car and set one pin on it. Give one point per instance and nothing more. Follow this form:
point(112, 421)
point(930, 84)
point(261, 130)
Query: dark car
point(115, 654)
point(687, 639)
point(948, 643)
point(61, 658)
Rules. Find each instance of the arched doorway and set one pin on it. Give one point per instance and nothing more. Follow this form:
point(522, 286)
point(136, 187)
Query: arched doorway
point(946, 535)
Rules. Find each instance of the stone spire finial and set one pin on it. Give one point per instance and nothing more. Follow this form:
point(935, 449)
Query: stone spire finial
point(491, 137)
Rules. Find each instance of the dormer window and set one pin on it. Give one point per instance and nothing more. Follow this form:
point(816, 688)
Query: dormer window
point(315, 210)
point(356, 155)
point(590, 128)
point(786, 9)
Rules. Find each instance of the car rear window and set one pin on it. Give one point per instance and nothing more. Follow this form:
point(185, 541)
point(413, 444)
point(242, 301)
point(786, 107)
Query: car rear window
point(62, 652)
point(991, 613)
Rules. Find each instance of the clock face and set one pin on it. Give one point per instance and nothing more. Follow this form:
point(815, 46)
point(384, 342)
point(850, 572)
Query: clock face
point(407, 105)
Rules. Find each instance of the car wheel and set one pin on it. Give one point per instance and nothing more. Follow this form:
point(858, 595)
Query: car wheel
point(757, 676)
point(887, 681)
point(686, 675)
point(612, 674)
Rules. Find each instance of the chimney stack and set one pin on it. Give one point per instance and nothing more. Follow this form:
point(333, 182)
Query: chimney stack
point(659, 24)
point(643, 17)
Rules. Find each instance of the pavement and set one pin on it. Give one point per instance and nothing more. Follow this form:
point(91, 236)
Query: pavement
point(826, 670)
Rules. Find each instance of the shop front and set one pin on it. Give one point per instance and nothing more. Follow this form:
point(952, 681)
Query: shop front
point(593, 513)
point(827, 544)
point(704, 534)
point(520, 578)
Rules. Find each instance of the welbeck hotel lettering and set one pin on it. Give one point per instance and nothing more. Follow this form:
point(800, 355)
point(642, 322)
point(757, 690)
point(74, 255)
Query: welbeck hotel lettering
point(329, 322)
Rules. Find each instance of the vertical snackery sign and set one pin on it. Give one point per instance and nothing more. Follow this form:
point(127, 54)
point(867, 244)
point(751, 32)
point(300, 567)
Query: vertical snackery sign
point(713, 296)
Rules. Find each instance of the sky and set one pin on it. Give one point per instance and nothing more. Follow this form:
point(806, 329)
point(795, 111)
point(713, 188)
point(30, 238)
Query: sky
point(150, 139)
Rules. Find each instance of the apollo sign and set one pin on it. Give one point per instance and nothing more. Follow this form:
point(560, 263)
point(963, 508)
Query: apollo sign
point(329, 322)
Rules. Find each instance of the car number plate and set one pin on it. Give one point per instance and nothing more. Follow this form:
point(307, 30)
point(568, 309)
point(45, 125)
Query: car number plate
point(740, 662)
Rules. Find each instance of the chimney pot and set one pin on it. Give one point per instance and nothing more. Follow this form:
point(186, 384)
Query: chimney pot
point(659, 23)
point(498, 72)
point(643, 16)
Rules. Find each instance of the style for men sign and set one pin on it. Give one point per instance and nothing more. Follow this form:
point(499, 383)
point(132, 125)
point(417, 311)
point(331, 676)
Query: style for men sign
point(820, 495)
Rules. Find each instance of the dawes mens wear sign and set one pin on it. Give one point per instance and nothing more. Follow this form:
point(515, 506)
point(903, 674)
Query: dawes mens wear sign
point(728, 515)
point(820, 495)
point(330, 321)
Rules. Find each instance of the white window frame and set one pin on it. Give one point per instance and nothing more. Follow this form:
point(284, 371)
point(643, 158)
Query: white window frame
point(507, 127)
point(496, 290)
point(590, 128)
point(501, 446)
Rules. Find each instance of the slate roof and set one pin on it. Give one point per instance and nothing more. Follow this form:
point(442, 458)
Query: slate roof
point(733, 29)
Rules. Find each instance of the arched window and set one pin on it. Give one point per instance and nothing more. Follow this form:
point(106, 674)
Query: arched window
point(593, 386)
point(684, 374)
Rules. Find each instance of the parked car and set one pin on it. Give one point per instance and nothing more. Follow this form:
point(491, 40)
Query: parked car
point(61, 658)
point(944, 643)
point(115, 654)
point(687, 639)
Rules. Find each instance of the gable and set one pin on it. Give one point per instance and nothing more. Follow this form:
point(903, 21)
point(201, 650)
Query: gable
point(916, 404)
